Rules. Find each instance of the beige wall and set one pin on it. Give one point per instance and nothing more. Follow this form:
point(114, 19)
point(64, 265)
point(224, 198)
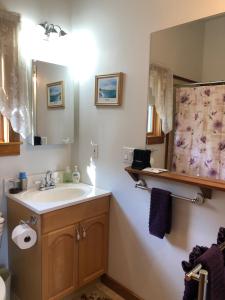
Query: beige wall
point(194, 50)
point(214, 49)
point(121, 31)
point(180, 49)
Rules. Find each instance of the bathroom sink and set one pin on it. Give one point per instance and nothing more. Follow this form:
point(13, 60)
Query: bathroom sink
point(63, 195)
point(55, 195)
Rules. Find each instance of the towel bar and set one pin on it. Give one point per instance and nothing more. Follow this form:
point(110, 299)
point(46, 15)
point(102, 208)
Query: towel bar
point(199, 199)
point(200, 275)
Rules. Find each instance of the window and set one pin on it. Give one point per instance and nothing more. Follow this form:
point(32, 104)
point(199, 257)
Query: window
point(13, 83)
point(154, 130)
point(4, 130)
point(150, 119)
point(9, 140)
point(1, 129)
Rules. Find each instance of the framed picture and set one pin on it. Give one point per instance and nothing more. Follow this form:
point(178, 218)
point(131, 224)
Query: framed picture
point(55, 94)
point(108, 89)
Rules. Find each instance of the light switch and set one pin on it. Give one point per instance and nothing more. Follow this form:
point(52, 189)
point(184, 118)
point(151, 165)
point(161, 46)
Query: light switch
point(128, 154)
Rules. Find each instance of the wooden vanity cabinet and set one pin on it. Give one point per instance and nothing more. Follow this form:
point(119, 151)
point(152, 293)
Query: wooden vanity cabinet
point(60, 263)
point(93, 249)
point(72, 250)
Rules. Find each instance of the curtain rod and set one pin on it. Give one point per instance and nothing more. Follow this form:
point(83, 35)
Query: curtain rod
point(209, 83)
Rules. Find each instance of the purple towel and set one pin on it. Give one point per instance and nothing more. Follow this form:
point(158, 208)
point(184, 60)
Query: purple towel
point(191, 290)
point(212, 260)
point(160, 213)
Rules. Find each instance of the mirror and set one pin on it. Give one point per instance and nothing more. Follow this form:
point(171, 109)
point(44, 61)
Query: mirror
point(52, 104)
point(194, 54)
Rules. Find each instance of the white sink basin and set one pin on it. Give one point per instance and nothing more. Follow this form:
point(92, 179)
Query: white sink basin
point(55, 195)
point(65, 194)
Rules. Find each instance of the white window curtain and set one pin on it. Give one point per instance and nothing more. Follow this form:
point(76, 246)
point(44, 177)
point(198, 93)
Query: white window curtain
point(161, 95)
point(14, 99)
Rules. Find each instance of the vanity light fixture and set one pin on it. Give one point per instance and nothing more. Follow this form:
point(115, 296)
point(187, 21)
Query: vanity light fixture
point(52, 28)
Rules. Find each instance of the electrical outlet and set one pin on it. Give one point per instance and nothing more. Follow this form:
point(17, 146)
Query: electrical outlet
point(94, 151)
point(128, 154)
point(44, 140)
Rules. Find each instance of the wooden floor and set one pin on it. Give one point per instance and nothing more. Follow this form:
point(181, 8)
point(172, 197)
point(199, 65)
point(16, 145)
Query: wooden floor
point(96, 290)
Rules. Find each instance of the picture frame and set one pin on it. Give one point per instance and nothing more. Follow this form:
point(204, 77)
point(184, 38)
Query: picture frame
point(108, 89)
point(55, 95)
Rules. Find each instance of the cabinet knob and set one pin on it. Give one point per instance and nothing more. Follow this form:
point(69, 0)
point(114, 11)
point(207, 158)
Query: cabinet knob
point(78, 234)
point(84, 232)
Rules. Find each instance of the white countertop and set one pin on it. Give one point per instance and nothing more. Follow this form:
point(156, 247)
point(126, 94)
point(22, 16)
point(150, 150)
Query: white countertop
point(47, 203)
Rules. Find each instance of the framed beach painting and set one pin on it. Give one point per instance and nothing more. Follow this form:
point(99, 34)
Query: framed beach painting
point(55, 95)
point(108, 89)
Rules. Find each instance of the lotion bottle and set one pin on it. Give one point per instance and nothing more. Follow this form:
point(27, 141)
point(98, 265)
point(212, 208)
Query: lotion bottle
point(76, 175)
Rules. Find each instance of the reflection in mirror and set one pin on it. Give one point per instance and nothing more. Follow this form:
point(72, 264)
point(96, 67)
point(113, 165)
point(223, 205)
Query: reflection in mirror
point(194, 54)
point(53, 104)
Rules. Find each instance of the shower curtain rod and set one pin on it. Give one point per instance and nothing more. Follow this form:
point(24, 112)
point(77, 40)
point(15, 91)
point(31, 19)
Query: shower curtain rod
point(209, 83)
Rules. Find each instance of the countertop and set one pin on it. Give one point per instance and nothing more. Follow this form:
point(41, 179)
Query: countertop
point(43, 205)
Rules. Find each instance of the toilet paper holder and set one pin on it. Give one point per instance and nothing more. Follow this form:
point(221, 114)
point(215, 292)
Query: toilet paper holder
point(32, 221)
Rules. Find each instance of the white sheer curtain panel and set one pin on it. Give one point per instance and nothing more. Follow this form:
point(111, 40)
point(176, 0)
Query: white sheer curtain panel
point(14, 99)
point(161, 95)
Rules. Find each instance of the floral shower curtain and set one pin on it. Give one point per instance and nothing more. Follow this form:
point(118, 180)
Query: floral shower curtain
point(199, 143)
point(14, 100)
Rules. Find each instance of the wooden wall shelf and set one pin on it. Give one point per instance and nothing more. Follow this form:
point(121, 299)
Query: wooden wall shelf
point(205, 184)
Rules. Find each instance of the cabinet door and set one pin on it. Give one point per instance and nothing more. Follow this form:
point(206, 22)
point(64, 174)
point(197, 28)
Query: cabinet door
point(93, 249)
point(60, 263)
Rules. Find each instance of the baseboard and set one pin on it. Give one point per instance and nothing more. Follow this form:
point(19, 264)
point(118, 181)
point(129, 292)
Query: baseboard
point(119, 288)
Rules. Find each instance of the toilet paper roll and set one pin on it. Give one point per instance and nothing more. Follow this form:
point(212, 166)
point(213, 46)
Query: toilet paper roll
point(24, 236)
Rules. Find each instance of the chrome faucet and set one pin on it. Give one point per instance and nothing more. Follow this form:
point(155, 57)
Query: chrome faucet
point(48, 182)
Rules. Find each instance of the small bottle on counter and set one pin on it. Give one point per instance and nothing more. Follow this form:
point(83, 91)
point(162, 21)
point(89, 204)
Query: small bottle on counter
point(23, 181)
point(76, 175)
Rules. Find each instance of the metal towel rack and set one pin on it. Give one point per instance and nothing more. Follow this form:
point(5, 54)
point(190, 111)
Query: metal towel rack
point(199, 199)
point(201, 276)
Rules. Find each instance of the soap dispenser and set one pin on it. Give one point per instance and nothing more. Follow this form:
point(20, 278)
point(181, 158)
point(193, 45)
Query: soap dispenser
point(76, 175)
point(67, 175)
